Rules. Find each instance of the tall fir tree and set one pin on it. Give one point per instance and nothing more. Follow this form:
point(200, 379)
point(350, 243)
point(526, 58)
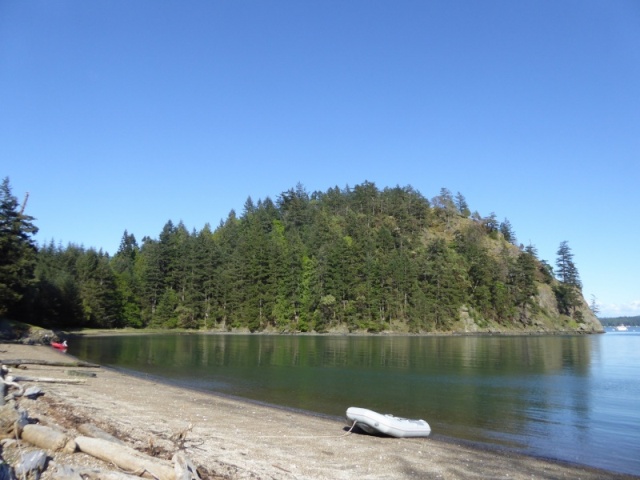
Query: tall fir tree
point(17, 251)
point(566, 268)
point(568, 291)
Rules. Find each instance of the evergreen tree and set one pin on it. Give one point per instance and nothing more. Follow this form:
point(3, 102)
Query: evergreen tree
point(566, 269)
point(567, 292)
point(491, 224)
point(17, 250)
point(125, 258)
point(443, 283)
point(594, 305)
point(507, 231)
point(101, 302)
point(482, 269)
point(124, 267)
point(525, 290)
point(54, 300)
point(149, 271)
point(206, 260)
point(462, 206)
point(445, 206)
point(293, 206)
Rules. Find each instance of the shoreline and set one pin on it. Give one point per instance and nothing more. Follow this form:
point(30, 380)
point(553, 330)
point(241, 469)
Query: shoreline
point(435, 437)
point(505, 333)
point(236, 439)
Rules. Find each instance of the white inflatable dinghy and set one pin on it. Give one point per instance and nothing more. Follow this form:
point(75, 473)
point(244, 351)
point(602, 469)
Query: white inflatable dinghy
point(373, 422)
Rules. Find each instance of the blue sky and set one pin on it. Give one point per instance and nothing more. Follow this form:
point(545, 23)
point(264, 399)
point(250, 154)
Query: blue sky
point(122, 115)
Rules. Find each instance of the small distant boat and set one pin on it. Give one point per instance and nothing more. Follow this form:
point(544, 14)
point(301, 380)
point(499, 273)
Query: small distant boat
point(60, 346)
point(373, 422)
point(621, 328)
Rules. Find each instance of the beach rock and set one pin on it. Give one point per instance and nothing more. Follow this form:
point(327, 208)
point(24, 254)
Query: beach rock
point(31, 465)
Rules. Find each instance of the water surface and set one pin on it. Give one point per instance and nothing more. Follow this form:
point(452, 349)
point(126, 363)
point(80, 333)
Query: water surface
point(572, 398)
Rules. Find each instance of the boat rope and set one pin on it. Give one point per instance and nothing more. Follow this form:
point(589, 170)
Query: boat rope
point(348, 432)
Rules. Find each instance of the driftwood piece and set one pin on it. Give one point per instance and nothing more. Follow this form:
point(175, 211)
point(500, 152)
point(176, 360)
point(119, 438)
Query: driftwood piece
point(48, 438)
point(50, 363)
point(24, 378)
point(91, 430)
point(64, 472)
point(32, 392)
point(126, 458)
point(80, 373)
point(7, 382)
point(184, 467)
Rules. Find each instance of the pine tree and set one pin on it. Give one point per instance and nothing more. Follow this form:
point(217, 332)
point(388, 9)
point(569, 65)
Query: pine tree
point(17, 250)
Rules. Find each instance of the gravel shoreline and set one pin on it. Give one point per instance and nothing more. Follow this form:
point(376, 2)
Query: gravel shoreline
point(234, 439)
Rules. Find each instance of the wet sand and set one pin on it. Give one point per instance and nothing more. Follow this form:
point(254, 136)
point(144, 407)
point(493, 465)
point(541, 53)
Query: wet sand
point(241, 440)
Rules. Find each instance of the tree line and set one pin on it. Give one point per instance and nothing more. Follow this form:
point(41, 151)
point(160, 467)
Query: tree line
point(357, 258)
point(615, 321)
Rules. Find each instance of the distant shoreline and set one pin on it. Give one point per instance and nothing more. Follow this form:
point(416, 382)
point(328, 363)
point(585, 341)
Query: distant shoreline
point(511, 333)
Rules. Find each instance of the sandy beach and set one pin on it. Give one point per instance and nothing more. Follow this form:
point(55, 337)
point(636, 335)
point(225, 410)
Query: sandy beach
point(240, 440)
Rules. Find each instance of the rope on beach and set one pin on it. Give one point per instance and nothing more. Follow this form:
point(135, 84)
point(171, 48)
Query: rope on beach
point(348, 432)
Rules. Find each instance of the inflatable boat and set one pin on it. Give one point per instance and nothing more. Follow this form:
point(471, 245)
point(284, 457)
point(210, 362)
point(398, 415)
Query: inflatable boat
point(373, 422)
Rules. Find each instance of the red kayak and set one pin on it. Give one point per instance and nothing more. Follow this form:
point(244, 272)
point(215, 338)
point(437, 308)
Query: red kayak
point(60, 346)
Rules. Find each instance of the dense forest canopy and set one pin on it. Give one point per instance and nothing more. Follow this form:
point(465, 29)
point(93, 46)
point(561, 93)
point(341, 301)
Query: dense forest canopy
point(351, 259)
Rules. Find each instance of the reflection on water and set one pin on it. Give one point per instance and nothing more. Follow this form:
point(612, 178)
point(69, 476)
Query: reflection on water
point(566, 397)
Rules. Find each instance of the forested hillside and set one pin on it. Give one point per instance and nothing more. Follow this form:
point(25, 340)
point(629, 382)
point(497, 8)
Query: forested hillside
point(352, 259)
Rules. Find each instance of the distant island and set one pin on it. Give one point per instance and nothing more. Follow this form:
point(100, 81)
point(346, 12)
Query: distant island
point(615, 321)
point(349, 260)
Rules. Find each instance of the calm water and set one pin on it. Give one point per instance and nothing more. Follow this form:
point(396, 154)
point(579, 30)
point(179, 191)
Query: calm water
point(573, 398)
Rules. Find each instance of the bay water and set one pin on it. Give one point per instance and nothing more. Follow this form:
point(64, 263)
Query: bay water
point(571, 398)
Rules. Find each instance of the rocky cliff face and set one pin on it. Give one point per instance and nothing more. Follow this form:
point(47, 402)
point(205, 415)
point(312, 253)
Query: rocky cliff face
point(547, 320)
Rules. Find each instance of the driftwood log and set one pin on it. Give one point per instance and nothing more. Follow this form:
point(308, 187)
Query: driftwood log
point(126, 458)
point(14, 424)
point(80, 373)
point(25, 378)
point(50, 363)
point(91, 430)
point(48, 438)
point(65, 472)
point(184, 467)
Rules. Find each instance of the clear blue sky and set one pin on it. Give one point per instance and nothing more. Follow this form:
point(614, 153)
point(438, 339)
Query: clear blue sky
point(122, 115)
